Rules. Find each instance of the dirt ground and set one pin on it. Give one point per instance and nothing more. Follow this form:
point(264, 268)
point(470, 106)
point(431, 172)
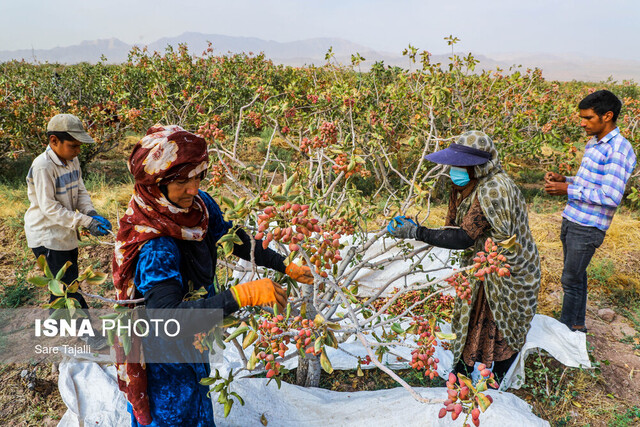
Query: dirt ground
point(622, 373)
point(30, 396)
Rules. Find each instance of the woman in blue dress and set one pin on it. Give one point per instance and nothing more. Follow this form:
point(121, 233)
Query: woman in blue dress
point(165, 245)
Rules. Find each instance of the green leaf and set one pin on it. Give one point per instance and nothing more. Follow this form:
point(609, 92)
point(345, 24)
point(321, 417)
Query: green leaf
point(325, 363)
point(235, 239)
point(227, 248)
point(88, 272)
point(317, 345)
point(253, 360)
point(466, 381)
point(253, 323)
point(73, 287)
point(111, 337)
point(58, 314)
point(58, 303)
point(126, 343)
point(71, 307)
point(230, 321)
point(483, 401)
point(249, 339)
point(218, 337)
point(121, 308)
point(327, 340)
point(288, 312)
point(397, 328)
point(98, 278)
point(109, 316)
point(237, 332)
point(42, 262)
point(443, 336)
point(240, 399)
point(227, 408)
point(63, 269)
point(303, 310)
point(511, 244)
point(39, 281)
point(318, 320)
point(225, 238)
point(334, 341)
point(227, 202)
point(279, 199)
point(287, 186)
point(207, 381)
point(55, 286)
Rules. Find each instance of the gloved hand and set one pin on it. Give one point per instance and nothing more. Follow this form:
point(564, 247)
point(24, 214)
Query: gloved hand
point(106, 225)
point(299, 273)
point(260, 292)
point(97, 228)
point(402, 227)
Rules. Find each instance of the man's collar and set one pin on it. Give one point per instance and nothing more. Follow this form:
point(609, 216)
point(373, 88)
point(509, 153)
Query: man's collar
point(610, 135)
point(54, 157)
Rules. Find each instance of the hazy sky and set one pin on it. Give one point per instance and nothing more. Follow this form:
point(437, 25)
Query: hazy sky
point(587, 27)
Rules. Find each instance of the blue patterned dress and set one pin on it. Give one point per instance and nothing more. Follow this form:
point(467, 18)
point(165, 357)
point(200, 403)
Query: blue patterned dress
point(175, 396)
point(164, 269)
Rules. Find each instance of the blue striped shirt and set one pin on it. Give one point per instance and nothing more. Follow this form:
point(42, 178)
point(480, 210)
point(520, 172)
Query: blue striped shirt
point(597, 189)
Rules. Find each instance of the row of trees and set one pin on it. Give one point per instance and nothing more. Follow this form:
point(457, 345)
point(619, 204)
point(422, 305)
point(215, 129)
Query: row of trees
point(234, 96)
point(339, 149)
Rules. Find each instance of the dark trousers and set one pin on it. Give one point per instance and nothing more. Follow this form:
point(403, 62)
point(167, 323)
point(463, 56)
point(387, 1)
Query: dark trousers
point(499, 368)
point(55, 260)
point(579, 243)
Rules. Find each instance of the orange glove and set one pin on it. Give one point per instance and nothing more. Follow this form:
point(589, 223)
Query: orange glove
point(260, 292)
point(299, 274)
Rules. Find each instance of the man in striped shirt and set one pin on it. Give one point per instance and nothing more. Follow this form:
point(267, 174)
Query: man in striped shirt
point(593, 196)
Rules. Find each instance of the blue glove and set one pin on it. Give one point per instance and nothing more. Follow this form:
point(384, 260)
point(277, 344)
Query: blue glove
point(104, 226)
point(403, 228)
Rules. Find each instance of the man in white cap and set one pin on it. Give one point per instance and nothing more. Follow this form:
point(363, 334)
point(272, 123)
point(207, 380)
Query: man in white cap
point(59, 201)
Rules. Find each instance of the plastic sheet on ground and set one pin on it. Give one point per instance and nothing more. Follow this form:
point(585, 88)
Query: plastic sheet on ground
point(91, 393)
point(437, 263)
point(297, 406)
point(90, 390)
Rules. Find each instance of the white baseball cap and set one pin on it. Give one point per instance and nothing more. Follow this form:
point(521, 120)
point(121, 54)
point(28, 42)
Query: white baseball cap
point(70, 124)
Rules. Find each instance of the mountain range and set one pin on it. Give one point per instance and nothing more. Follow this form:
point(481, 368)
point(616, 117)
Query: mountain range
point(312, 51)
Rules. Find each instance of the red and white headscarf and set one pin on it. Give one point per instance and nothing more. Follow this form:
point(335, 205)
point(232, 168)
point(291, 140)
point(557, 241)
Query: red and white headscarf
point(165, 154)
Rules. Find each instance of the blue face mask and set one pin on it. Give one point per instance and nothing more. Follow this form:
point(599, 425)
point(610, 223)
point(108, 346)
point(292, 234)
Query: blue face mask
point(459, 176)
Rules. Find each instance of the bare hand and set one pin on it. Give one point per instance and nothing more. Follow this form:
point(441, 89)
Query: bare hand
point(554, 177)
point(555, 188)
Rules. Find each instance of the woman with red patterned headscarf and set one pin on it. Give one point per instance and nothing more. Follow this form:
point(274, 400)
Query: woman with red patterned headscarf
point(167, 238)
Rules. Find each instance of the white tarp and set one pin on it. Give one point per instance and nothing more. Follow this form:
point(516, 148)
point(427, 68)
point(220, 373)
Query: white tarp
point(437, 263)
point(299, 406)
point(91, 393)
point(90, 390)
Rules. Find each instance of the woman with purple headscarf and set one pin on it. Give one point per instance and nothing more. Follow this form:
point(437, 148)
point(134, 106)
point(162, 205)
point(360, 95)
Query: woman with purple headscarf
point(484, 202)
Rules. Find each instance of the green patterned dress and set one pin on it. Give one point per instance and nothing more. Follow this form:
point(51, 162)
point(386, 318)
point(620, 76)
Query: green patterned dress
point(512, 300)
